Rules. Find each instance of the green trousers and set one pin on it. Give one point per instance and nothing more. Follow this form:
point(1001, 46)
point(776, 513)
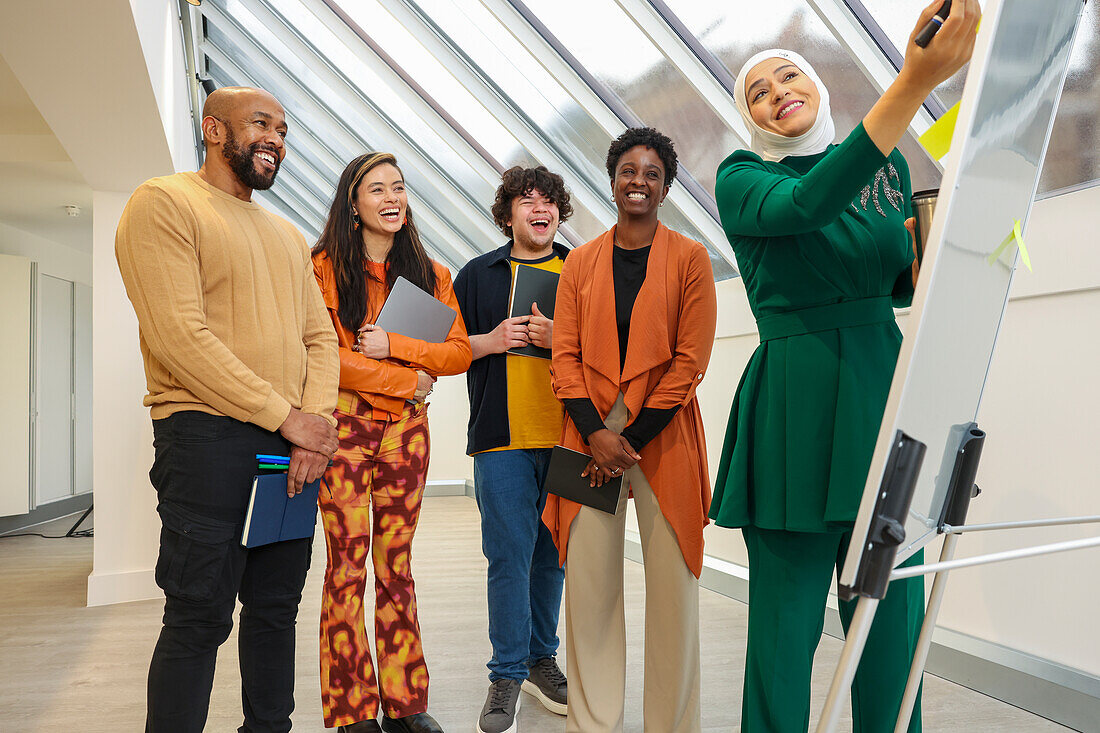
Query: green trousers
point(789, 578)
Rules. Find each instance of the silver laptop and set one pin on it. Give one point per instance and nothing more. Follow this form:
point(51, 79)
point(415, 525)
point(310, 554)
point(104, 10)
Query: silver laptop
point(411, 312)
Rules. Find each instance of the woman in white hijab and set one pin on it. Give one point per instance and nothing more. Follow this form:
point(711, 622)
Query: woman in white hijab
point(819, 231)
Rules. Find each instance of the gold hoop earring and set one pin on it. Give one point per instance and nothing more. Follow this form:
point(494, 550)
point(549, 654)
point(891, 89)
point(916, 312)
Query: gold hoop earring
point(355, 220)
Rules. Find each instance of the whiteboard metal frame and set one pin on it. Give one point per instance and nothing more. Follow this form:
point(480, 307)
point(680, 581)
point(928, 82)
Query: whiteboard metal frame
point(867, 605)
point(975, 84)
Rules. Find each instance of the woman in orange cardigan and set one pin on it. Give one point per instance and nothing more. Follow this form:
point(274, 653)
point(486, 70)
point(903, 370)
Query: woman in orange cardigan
point(633, 330)
point(379, 469)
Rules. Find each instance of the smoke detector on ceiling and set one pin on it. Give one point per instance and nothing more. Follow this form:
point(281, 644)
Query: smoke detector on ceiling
point(73, 210)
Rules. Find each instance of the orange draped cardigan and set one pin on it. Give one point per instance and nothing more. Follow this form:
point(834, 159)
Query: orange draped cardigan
point(671, 336)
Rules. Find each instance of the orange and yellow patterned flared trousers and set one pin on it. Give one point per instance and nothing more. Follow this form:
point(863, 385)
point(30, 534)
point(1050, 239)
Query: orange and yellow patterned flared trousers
point(370, 509)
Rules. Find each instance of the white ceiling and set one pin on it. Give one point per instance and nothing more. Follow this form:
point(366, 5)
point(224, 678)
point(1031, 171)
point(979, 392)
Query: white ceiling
point(37, 178)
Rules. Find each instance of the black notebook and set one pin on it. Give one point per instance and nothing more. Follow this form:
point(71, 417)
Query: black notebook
point(532, 285)
point(563, 478)
point(411, 312)
point(273, 516)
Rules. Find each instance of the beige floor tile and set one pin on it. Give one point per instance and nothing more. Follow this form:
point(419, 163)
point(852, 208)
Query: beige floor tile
point(65, 667)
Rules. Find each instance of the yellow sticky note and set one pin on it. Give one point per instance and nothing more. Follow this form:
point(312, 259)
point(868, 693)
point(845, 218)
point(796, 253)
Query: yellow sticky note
point(937, 139)
point(1014, 236)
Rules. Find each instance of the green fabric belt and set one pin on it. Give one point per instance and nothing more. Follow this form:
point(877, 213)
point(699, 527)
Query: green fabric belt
point(847, 314)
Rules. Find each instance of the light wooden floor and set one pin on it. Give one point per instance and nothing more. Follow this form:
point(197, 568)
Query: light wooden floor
point(64, 667)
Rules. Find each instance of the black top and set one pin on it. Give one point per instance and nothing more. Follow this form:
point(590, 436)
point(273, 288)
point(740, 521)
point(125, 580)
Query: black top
point(628, 267)
point(482, 288)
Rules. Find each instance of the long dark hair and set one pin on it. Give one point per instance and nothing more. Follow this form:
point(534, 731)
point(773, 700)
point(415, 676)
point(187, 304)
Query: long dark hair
point(343, 244)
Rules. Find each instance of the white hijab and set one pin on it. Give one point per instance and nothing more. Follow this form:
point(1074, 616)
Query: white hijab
point(771, 145)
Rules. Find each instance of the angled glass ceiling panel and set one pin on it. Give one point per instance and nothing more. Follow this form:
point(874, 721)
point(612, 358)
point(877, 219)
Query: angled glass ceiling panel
point(287, 197)
point(518, 76)
point(897, 19)
point(459, 91)
point(733, 32)
point(332, 121)
point(435, 78)
point(470, 100)
point(618, 53)
point(582, 122)
point(460, 57)
point(554, 129)
point(1073, 158)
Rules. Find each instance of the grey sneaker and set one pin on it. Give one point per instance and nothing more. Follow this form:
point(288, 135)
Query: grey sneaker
point(498, 715)
point(547, 684)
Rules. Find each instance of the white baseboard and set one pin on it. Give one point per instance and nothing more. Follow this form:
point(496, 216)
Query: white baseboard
point(107, 588)
point(1067, 696)
point(449, 487)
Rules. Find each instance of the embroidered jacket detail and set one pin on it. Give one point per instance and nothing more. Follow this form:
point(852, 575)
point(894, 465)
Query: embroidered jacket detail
point(871, 193)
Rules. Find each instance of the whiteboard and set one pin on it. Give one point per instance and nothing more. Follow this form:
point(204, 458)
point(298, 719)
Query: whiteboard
point(990, 177)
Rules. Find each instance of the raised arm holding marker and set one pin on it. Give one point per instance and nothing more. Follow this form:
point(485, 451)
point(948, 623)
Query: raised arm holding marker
point(933, 27)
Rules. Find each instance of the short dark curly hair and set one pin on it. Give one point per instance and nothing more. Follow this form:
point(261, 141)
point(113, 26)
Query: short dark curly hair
point(518, 182)
point(650, 138)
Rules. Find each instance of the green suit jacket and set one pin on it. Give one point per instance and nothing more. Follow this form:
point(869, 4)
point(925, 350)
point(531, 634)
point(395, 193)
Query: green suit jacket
point(824, 253)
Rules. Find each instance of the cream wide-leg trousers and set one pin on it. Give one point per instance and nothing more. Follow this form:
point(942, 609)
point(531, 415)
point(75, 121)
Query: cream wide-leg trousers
point(596, 624)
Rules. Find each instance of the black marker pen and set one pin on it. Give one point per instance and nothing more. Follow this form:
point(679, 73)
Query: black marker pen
point(927, 32)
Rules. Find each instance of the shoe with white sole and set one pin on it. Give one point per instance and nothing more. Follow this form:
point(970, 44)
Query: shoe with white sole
point(498, 715)
point(546, 683)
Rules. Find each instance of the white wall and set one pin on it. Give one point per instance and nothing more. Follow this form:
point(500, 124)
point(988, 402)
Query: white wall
point(15, 382)
point(52, 258)
point(158, 28)
point(1039, 410)
point(66, 263)
point(448, 415)
point(130, 91)
point(127, 528)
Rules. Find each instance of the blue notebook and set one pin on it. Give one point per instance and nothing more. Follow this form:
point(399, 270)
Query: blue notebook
point(273, 516)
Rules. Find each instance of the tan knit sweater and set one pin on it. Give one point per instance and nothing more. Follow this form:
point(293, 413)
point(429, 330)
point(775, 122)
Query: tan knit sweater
point(231, 320)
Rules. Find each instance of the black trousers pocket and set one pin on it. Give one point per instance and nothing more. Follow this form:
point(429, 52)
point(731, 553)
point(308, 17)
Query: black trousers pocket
point(194, 551)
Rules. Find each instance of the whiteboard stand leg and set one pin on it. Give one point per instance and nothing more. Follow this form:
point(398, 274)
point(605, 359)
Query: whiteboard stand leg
point(854, 642)
point(877, 554)
point(961, 491)
point(924, 643)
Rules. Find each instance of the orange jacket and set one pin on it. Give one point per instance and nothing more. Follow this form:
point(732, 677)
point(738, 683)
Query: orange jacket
point(671, 335)
point(387, 383)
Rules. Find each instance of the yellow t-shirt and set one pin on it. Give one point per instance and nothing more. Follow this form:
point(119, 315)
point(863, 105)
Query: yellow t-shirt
point(534, 414)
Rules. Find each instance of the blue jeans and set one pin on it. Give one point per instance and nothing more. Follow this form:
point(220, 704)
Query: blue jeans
point(525, 580)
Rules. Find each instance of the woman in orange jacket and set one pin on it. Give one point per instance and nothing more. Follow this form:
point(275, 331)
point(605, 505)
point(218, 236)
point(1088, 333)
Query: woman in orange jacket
point(378, 473)
point(633, 330)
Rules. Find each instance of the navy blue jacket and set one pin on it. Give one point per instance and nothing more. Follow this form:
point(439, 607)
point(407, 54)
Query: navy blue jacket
point(482, 288)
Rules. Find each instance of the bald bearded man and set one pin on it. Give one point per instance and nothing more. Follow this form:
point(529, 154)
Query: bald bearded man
point(240, 359)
